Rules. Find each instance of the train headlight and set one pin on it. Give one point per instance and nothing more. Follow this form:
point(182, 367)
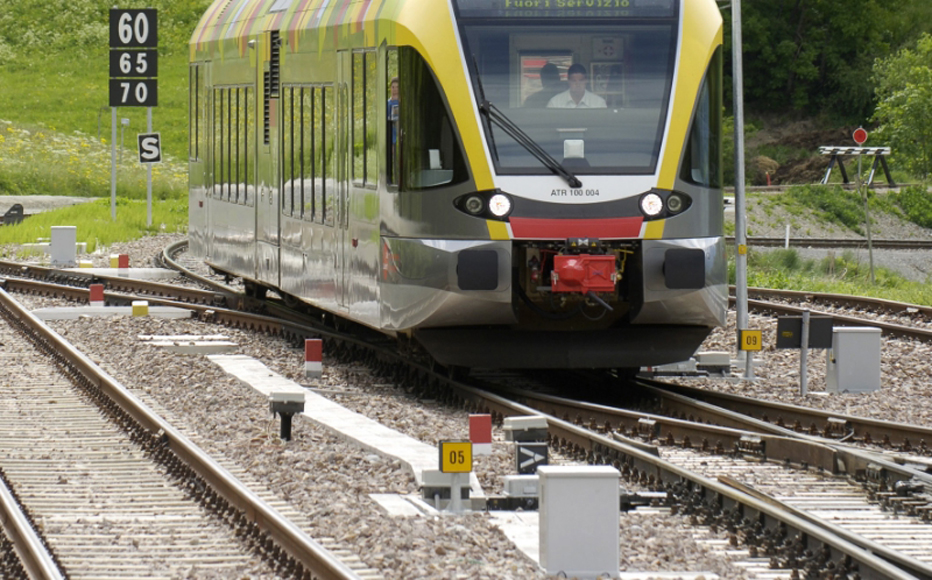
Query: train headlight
point(676, 203)
point(500, 205)
point(474, 204)
point(651, 205)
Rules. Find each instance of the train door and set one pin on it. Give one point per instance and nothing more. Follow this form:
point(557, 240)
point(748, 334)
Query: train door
point(268, 208)
point(343, 177)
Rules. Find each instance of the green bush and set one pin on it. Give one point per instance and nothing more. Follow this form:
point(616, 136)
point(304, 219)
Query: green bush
point(916, 204)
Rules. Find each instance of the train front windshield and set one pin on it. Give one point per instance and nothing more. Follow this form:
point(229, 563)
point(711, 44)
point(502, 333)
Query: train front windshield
point(589, 81)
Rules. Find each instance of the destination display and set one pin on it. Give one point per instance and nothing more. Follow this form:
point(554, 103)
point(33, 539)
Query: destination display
point(566, 8)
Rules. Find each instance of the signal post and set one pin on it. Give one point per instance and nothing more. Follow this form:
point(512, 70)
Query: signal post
point(134, 83)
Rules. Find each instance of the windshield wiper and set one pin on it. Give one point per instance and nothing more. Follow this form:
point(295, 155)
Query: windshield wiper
point(515, 132)
point(492, 113)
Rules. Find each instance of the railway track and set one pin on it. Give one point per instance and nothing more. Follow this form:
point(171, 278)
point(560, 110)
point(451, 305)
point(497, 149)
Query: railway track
point(592, 439)
point(115, 491)
point(840, 243)
point(912, 321)
point(862, 497)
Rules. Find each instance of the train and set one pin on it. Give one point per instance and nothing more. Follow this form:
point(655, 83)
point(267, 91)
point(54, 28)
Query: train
point(515, 184)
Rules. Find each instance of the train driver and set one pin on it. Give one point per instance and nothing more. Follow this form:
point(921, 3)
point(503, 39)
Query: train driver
point(577, 97)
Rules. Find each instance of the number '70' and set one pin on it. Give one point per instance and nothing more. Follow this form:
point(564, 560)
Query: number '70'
point(141, 92)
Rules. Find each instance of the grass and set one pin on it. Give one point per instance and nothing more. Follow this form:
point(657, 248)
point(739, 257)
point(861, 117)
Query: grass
point(95, 225)
point(845, 274)
point(837, 207)
point(54, 63)
point(48, 162)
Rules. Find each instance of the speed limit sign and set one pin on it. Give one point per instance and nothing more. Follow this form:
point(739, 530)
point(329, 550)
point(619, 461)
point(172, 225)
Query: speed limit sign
point(134, 28)
point(134, 57)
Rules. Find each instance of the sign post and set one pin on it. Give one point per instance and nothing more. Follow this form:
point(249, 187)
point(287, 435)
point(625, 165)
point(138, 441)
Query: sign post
point(860, 136)
point(741, 230)
point(804, 332)
point(456, 458)
point(133, 78)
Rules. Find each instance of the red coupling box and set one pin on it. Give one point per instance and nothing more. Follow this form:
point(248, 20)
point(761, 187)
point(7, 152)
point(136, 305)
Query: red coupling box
point(583, 273)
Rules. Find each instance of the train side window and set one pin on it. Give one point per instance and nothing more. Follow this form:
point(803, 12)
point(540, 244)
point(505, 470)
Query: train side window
point(364, 102)
point(702, 164)
point(287, 155)
point(430, 150)
point(391, 116)
point(328, 156)
point(228, 120)
point(249, 142)
point(218, 142)
point(328, 173)
point(235, 133)
point(307, 152)
point(357, 102)
point(372, 115)
point(194, 116)
point(233, 144)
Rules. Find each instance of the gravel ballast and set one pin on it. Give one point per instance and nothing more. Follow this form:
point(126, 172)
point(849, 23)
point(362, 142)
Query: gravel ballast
point(330, 481)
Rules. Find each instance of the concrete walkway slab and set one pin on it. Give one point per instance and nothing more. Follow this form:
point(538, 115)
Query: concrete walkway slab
point(75, 312)
point(417, 456)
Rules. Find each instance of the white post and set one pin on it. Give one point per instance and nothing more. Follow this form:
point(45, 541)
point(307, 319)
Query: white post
point(804, 356)
point(113, 162)
point(867, 215)
point(741, 234)
point(149, 173)
point(456, 494)
point(786, 242)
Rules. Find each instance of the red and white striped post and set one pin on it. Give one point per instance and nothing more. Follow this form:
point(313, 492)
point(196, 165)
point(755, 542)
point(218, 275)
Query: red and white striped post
point(480, 434)
point(313, 358)
point(96, 297)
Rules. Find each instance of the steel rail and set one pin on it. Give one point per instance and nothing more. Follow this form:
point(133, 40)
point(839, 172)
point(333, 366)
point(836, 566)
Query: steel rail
point(890, 329)
point(766, 441)
point(36, 560)
point(317, 560)
point(836, 243)
point(844, 300)
point(792, 418)
point(115, 282)
point(167, 259)
point(632, 459)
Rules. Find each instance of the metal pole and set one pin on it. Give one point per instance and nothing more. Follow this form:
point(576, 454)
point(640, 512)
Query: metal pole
point(741, 239)
point(867, 214)
point(456, 499)
point(113, 163)
point(804, 356)
point(149, 173)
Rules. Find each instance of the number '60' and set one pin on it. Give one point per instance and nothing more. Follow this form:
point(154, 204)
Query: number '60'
point(129, 27)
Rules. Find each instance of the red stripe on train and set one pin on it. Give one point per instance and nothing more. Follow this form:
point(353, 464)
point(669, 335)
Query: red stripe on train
point(628, 227)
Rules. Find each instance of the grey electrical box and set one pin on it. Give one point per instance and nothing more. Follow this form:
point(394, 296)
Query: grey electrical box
point(853, 364)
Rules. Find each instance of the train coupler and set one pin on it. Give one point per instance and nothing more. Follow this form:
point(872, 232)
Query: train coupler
point(583, 273)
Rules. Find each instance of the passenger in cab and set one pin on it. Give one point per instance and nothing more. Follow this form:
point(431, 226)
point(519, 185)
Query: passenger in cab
point(577, 97)
point(551, 83)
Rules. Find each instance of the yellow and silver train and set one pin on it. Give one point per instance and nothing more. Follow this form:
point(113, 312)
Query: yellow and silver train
point(503, 183)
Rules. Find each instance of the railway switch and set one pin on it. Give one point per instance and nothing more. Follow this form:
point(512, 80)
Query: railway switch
point(286, 404)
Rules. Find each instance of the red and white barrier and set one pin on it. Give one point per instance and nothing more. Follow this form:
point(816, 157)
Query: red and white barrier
point(480, 434)
point(313, 358)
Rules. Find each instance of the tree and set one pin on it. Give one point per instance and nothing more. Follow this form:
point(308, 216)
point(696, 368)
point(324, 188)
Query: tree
point(815, 56)
point(903, 86)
